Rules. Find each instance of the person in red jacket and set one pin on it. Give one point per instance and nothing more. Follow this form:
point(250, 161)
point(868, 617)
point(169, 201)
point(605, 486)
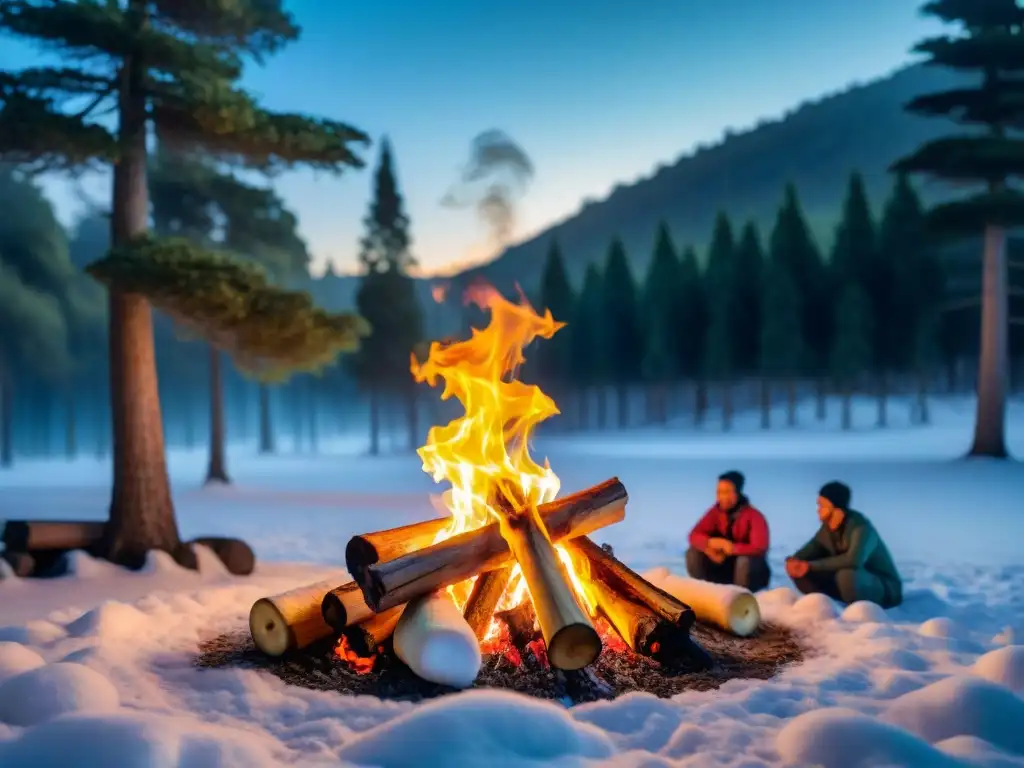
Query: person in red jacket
point(730, 543)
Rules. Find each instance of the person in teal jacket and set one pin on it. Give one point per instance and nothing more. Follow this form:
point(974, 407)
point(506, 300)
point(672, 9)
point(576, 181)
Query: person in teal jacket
point(847, 559)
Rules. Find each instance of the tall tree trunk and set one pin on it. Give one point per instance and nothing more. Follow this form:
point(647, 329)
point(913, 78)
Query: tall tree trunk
point(727, 405)
point(266, 428)
point(622, 407)
point(141, 509)
point(583, 408)
point(188, 422)
point(312, 413)
point(6, 416)
point(70, 424)
point(766, 403)
point(412, 417)
point(791, 402)
point(374, 422)
point(990, 422)
point(821, 399)
point(883, 399)
point(298, 420)
point(923, 414)
point(602, 407)
point(700, 403)
point(217, 470)
point(847, 417)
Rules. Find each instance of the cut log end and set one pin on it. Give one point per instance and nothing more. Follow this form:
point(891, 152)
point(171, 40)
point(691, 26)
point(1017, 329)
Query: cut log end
point(359, 553)
point(343, 606)
point(269, 629)
point(744, 615)
point(365, 638)
point(574, 646)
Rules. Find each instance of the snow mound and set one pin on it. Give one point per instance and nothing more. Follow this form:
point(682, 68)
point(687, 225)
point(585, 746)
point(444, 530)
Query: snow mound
point(816, 607)
point(82, 565)
point(962, 706)
point(208, 562)
point(37, 632)
point(477, 728)
point(15, 658)
point(47, 692)
point(138, 740)
point(907, 661)
point(110, 620)
point(843, 738)
point(158, 561)
point(1007, 637)
point(781, 597)
point(941, 627)
point(1004, 666)
point(977, 752)
point(865, 612)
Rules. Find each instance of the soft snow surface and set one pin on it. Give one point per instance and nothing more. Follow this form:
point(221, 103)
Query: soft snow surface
point(96, 667)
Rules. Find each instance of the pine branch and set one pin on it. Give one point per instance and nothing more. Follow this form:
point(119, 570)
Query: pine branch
point(984, 50)
point(1016, 321)
point(259, 27)
point(968, 303)
point(1015, 265)
point(984, 158)
point(42, 138)
point(86, 29)
point(970, 216)
point(231, 126)
point(971, 13)
point(975, 106)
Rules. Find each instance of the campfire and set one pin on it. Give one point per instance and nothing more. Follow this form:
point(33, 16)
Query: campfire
point(510, 569)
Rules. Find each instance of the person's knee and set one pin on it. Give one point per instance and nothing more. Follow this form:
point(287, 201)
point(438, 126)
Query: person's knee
point(851, 586)
point(806, 585)
point(751, 572)
point(696, 562)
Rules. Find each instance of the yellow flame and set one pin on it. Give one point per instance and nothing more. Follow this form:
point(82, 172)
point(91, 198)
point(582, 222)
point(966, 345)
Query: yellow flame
point(484, 454)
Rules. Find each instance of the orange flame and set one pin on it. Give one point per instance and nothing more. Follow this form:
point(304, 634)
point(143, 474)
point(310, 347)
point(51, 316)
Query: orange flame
point(484, 455)
point(360, 664)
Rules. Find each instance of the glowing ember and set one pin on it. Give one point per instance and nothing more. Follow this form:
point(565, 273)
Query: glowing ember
point(360, 664)
point(484, 455)
point(438, 292)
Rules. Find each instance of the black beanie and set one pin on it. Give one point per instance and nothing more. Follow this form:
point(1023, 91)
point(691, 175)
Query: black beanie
point(734, 477)
point(837, 493)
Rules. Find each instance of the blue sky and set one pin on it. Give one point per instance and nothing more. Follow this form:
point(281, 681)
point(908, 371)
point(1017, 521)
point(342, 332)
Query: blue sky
point(598, 92)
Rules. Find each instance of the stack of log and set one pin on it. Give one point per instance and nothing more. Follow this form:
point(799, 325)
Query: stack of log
point(398, 592)
point(39, 548)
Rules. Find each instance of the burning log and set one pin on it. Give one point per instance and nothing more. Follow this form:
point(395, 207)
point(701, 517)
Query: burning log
point(289, 621)
point(370, 548)
point(391, 583)
point(437, 643)
point(570, 637)
point(366, 639)
point(27, 535)
point(343, 606)
point(605, 568)
point(483, 599)
point(732, 608)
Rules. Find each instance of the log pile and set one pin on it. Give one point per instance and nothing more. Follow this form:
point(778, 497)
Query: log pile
point(399, 598)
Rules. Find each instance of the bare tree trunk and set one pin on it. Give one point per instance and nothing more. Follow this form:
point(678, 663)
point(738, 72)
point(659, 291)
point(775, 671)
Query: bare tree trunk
point(297, 401)
point(727, 405)
point(791, 402)
point(766, 403)
point(821, 399)
point(847, 416)
point(883, 399)
point(312, 403)
point(700, 405)
point(990, 422)
point(622, 407)
point(70, 424)
point(189, 422)
point(412, 417)
point(583, 407)
point(923, 413)
point(217, 471)
point(266, 427)
point(602, 407)
point(374, 422)
point(141, 510)
point(6, 416)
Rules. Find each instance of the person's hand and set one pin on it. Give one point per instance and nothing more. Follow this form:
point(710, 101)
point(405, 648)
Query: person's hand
point(725, 546)
point(797, 569)
point(715, 555)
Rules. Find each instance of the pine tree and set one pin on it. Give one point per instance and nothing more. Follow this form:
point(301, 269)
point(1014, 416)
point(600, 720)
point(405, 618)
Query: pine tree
point(750, 269)
point(586, 343)
point(556, 294)
point(851, 354)
point(721, 282)
point(793, 247)
point(387, 300)
point(693, 318)
point(660, 315)
point(782, 348)
point(988, 42)
point(177, 69)
point(623, 341)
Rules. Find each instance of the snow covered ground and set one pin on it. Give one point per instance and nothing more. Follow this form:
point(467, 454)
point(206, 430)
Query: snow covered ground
point(96, 668)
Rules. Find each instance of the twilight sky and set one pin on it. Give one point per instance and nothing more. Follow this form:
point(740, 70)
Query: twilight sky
point(597, 92)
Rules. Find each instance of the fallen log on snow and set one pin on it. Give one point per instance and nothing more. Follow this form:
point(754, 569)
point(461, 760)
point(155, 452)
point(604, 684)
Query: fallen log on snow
point(436, 642)
point(369, 548)
point(391, 583)
point(732, 608)
point(291, 620)
point(26, 535)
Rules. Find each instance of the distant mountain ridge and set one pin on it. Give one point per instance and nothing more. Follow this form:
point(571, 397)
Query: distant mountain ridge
point(816, 146)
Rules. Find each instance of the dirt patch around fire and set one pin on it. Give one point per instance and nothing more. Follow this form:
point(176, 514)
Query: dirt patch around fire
point(617, 671)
